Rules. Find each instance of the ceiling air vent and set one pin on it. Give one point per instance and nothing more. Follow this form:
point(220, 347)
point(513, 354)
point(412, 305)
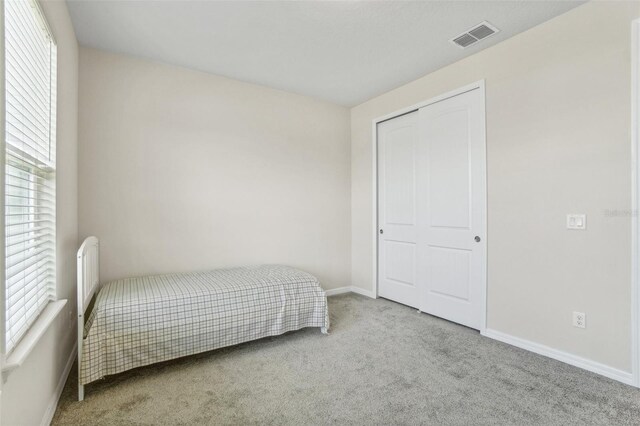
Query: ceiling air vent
point(475, 34)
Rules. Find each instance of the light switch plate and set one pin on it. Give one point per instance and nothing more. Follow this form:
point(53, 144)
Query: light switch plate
point(577, 221)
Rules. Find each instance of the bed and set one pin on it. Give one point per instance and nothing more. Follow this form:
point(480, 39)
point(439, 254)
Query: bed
point(139, 321)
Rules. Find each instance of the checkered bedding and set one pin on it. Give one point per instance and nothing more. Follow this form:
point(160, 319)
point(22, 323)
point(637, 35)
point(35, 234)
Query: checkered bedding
point(141, 321)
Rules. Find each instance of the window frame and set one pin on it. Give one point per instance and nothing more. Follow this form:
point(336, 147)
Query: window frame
point(48, 311)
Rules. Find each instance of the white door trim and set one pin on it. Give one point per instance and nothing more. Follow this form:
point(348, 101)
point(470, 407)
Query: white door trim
point(480, 85)
point(635, 197)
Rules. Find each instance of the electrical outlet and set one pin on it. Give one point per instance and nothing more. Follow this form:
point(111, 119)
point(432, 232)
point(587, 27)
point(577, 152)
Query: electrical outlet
point(579, 320)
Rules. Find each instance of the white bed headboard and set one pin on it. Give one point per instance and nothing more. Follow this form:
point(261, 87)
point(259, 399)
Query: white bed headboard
point(88, 272)
point(88, 283)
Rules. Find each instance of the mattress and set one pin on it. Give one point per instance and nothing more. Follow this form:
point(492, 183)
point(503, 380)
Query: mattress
point(144, 320)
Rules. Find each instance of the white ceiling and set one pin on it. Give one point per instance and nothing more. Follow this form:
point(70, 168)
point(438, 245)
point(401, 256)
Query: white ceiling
point(341, 51)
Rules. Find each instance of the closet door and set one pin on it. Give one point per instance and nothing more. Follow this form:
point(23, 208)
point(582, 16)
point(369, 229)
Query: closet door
point(451, 208)
point(397, 213)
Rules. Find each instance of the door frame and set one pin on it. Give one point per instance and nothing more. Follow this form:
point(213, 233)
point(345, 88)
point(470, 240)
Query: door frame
point(478, 85)
point(635, 201)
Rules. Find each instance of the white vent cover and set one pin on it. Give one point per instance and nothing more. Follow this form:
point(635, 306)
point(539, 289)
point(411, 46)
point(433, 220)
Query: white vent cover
point(474, 35)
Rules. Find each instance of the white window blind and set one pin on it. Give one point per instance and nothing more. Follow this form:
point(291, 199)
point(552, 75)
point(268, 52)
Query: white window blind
point(30, 194)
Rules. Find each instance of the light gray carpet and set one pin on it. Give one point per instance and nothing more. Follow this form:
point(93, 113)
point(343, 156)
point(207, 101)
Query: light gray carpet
point(383, 363)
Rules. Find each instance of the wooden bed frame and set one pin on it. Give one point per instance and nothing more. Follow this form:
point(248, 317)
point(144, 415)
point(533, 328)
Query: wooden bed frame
point(88, 285)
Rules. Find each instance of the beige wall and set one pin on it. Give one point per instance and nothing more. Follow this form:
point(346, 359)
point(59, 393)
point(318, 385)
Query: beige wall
point(181, 170)
point(29, 390)
point(558, 125)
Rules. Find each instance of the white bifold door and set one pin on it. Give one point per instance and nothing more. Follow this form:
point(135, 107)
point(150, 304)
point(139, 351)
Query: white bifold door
point(431, 212)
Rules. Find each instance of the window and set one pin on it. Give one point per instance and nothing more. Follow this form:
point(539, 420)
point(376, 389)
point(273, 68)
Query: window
point(30, 193)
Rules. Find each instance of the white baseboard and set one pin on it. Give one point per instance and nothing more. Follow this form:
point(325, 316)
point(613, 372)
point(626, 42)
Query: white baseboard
point(55, 398)
point(363, 292)
point(349, 289)
point(339, 290)
point(576, 361)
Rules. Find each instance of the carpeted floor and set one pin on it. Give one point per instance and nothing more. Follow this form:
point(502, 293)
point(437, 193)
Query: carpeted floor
point(383, 363)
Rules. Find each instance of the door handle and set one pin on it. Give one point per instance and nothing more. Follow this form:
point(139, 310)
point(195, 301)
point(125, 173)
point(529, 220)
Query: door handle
point(477, 239)
point(382, 231)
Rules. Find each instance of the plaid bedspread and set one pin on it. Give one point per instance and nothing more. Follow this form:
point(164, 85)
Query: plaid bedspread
point(141, 321)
